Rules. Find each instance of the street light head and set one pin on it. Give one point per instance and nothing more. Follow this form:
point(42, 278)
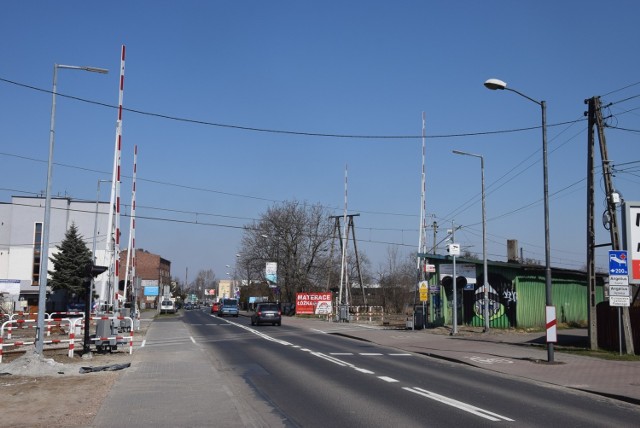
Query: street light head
point(494, 84)
point(97, 70)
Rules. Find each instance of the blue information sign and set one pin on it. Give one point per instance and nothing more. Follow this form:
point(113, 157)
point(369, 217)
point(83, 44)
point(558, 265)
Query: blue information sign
point(618, 263)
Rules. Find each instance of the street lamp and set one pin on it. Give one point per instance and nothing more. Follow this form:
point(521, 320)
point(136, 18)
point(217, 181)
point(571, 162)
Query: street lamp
point(485, 310)
point(495, 84)
point(44, 255)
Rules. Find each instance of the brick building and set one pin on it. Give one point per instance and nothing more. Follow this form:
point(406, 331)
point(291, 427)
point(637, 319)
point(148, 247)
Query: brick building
point(150, 268)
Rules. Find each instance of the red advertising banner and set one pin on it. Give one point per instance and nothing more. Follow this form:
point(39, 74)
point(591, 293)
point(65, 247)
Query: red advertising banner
point(313, 303)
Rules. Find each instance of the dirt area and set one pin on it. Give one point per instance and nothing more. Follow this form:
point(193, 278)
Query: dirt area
point(39, 392)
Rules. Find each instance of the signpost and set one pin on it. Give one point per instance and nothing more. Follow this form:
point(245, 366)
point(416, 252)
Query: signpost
point(619, 284)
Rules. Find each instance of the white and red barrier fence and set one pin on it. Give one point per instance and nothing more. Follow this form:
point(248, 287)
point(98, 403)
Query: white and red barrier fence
point(75, 324)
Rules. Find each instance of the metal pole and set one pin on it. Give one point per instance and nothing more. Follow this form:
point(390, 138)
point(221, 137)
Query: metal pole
point(454, 330)
point(547, 245)
point(485, 309)
point(495, 84)
point(44, 253)
point(484, 252)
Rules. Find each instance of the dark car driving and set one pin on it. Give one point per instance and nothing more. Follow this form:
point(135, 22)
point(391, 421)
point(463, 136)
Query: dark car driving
point(267, 313)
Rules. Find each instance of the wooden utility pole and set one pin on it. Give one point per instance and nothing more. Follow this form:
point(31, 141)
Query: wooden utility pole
point(595, 117)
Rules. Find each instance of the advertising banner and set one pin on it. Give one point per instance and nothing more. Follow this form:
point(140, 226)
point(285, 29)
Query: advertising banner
point(313, 303)
point(151, 290)
point(271, 272)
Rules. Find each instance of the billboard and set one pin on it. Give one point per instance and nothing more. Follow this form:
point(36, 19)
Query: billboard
point(313, 303)
point(271, 272)
point(151, 290)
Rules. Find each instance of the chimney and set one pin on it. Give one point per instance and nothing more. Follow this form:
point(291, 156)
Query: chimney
point(512, 250)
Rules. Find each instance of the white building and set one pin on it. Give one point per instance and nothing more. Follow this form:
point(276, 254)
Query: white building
point(21, 224)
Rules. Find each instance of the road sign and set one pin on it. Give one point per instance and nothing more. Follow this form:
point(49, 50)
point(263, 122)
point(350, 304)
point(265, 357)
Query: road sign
point(631, 237)
point(619, 290)
point(424, 291)
point(618, 262)
point(619, 301)
point(618, 279)
point(430, 268)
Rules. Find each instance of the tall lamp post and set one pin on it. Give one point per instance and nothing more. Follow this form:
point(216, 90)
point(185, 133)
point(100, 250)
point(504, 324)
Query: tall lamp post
point(44, 255)
point(496, 84)
point(485, 306)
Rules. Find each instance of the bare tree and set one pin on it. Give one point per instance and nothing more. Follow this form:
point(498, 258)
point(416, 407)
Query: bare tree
point(205, 279)
point(398, 279)
point(294, 235)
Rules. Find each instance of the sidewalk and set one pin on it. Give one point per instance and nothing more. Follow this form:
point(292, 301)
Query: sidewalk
point(170, 385)
point(504, 352)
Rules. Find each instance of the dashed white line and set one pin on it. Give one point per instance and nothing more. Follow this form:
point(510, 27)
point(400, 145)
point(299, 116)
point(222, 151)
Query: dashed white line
point(370, 354)
point(400, 355)
point(341, 353)
point(388, 379)
point(192, 339)
point(459, 404)
point(143, 343)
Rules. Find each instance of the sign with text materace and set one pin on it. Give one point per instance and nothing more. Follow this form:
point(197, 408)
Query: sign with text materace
point(313, 303)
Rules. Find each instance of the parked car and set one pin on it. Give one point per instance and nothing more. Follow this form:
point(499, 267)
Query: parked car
point(228, 307)
point(167, 307)
point(188, 306)
point(267, 313)
point(214, 307)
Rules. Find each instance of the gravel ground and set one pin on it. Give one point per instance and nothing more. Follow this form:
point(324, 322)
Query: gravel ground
point(39, 392)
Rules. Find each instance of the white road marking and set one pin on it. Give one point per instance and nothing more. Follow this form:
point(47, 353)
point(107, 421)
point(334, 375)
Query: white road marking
point(341, 353)
point(388, 379)
point(192, 339)
point(400, 355)
point(459, 405)
point(365, 371)
point(484, 360)
point(143, 343)
point(370, 354)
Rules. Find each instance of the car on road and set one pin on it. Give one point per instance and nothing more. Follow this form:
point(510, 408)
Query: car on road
point(167, 307)
point(267, 313)
point(214, 307)
point(228, 307)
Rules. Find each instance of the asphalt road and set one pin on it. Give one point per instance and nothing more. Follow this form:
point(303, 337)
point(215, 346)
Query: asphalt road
point(310, 378)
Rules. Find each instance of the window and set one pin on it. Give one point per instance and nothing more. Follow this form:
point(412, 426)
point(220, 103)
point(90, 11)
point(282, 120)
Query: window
point(37, 250)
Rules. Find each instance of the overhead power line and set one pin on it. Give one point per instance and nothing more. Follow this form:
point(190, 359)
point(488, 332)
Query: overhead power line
point(286, 132)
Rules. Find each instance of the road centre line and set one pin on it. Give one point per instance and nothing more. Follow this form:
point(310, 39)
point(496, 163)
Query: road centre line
point(370, 354)
point(459, 405)
point(341, 353)
point(486, 414)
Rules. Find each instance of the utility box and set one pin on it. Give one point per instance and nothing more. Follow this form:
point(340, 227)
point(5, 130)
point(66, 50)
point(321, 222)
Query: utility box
point(105, 337)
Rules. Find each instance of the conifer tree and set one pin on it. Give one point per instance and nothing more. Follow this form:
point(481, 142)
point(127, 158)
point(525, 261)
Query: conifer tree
point(70, 263)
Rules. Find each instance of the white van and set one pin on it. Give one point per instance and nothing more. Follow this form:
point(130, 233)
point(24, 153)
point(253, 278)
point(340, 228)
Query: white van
point(167, 307)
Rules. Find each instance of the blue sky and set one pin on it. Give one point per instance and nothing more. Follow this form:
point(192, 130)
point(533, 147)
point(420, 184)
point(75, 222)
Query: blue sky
point(362, 70)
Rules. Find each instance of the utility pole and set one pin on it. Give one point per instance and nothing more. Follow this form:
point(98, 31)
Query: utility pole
point(435, 236)
point(350, 227)
point(595, 112)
